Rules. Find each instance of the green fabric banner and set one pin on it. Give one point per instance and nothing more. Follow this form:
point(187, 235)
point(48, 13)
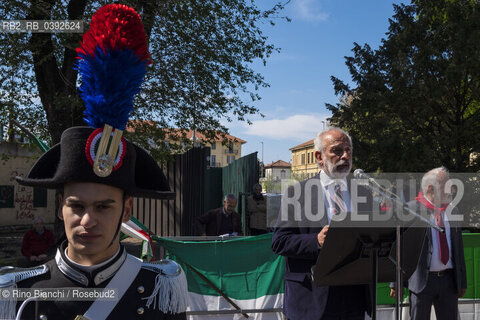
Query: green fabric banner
point(243, 268)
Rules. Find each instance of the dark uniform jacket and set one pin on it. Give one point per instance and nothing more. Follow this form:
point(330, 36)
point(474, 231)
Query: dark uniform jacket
point(62, 274)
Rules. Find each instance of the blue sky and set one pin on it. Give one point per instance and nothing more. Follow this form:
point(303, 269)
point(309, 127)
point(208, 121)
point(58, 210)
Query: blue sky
point(313, 46)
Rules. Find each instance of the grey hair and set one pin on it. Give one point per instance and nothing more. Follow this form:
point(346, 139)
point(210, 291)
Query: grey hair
point(230, 196)
point(431, 177)
point(318, 141)
point(39, 218)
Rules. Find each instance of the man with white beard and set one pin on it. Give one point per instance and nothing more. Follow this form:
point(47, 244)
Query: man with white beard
point(301, 242)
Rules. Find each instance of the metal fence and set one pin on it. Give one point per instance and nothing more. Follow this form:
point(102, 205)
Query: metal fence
point(186, 176)
point(198, 189)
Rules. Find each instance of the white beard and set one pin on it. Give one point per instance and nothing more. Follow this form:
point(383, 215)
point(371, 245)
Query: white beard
point(332, 171)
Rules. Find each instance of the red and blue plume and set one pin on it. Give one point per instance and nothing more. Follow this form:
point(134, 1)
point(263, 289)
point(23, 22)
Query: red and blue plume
point(112, 62)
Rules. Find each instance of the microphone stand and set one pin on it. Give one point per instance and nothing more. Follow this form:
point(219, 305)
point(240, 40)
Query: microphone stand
point(395, 199)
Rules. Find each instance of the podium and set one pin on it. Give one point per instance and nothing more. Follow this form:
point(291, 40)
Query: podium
point(366, 255)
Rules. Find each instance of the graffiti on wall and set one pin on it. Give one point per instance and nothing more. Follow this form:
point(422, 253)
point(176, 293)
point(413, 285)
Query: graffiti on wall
point(23, 199)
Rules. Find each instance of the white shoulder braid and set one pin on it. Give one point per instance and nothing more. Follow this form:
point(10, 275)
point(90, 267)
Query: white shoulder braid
point(170, 293)
point(9, 277)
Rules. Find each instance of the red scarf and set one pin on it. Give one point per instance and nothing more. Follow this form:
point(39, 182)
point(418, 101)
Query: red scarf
point(427, 204)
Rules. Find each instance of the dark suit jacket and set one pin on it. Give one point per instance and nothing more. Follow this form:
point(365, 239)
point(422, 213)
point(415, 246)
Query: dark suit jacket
point(418, 280)
point(210, 223)
point(299, 246)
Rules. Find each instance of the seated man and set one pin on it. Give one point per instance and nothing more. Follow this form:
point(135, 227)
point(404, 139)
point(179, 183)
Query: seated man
point(36, 244)
point(220, 221)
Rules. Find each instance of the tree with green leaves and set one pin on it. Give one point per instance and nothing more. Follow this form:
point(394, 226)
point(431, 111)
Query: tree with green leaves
point(201, 73)
point(415, 104)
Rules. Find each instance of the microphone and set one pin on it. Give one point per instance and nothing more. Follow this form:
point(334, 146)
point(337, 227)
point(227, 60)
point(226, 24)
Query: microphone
point(360, 174)
point(377, 187)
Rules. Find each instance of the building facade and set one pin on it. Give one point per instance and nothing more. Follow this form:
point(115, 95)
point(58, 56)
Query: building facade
point(275, 173)
point(19, 205)
point(221, 154)
point(278, 170)
point(304, 164)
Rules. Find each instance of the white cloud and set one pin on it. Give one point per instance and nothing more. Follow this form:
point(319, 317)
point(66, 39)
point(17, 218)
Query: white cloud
point(297, 127)
point(309, 10)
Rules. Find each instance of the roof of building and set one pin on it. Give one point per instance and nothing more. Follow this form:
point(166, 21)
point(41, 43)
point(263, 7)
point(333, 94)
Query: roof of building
point(278, 164)
point(303, 145)
point(189, 133)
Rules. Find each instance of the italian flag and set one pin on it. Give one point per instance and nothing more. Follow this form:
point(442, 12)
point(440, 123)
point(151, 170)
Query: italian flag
point(244, 270)
point(135, 229)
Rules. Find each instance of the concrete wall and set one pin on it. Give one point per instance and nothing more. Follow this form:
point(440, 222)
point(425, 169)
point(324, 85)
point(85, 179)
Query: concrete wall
point(16, 160)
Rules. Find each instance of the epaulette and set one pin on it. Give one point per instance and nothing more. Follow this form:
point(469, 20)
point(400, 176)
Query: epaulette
point(9, 277)
point(170, 289)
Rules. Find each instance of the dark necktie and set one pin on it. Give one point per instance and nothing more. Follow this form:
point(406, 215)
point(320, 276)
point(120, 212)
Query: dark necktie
point(442, 238)
point(338, 201)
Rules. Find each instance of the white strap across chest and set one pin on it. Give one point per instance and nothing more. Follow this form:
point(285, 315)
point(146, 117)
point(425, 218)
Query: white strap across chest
point(101, 309)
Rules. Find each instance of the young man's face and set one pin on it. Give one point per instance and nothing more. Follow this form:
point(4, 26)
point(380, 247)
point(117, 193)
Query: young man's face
point(91, 212)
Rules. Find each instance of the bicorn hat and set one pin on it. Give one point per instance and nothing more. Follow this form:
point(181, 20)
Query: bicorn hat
point(71, 160)
point(112, 61)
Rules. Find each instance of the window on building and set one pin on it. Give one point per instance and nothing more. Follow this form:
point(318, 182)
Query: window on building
point(39, 197)
point(7, 196)
point(213, 160)
point(282, 174)
point(230, 159)
point(230, 148)
point(214, 145)
point(303, 159)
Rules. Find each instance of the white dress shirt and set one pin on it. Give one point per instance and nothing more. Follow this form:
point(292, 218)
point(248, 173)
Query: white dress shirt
point(328, 185)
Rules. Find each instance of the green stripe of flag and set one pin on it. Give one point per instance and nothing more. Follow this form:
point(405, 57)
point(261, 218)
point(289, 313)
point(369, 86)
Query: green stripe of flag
point(244, 268)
